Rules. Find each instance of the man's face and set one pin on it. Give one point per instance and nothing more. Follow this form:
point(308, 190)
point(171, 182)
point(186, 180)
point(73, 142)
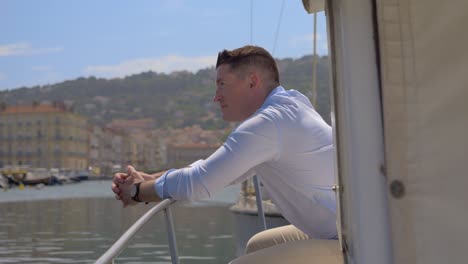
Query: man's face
point(232, 94)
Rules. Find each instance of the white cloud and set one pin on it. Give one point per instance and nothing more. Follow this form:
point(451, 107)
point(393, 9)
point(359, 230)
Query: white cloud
point(24, 48)
point(164, 64)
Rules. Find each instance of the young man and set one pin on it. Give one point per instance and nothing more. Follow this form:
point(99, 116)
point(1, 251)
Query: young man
point(281, 138)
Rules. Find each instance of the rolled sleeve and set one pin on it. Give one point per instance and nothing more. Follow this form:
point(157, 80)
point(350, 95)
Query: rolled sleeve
point(160, 187)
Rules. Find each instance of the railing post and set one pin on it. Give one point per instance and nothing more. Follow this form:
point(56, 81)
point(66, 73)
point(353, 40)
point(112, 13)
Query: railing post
point(258, 198)
point(171, 236)
point(121, 243)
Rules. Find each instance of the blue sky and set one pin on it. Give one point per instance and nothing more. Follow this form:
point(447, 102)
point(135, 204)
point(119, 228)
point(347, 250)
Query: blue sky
point(49, 41)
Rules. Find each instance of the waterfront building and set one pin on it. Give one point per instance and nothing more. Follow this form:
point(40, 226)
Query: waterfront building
point(43, 136)
point(124, 142)
point(180, 155)
point(145, 149)
point(106, 149)
point(189, 144)
point(133, 125)
point(140, 146)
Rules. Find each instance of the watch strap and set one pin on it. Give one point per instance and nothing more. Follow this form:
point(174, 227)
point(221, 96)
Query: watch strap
point(136, 197)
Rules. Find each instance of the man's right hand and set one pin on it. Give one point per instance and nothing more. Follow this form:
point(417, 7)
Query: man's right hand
point(119, 178)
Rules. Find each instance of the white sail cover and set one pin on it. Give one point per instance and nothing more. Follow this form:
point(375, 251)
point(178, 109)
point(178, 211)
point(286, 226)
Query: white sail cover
point(424, 63)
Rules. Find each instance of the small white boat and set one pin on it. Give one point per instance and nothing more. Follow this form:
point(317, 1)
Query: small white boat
point(4, 182)
point(25, 175)
point(33, 176)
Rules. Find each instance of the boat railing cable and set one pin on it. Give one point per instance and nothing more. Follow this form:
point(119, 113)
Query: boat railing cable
point(278, 28)
point(251, 22)
point(121, 243)
point(314, 65)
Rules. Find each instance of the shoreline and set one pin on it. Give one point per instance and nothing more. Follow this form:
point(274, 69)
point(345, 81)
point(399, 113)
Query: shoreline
point(97, 189)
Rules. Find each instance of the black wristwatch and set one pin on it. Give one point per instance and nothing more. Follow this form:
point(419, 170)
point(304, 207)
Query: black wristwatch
point(135, 191)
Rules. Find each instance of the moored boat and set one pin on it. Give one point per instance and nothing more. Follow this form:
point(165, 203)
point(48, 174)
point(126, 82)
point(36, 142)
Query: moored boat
point(24, 175)
point(32, 176)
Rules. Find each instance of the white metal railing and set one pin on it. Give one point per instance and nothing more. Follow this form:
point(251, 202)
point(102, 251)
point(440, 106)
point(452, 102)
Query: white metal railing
point(165, 205)
point(121, 243)
point(258, 199)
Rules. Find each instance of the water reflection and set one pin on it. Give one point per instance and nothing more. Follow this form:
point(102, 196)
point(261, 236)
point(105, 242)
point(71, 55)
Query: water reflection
point(80, 230)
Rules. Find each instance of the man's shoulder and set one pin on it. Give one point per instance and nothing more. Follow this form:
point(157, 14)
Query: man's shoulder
point(262, 120)
point(283, 96)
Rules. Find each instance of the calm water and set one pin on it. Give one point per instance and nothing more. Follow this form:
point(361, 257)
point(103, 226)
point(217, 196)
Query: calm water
point(76, 223)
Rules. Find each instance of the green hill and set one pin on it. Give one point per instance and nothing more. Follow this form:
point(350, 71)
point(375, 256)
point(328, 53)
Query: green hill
point(178, 99)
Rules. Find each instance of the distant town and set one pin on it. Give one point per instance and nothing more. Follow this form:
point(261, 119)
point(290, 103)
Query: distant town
point(50, 136)
point(93, 127)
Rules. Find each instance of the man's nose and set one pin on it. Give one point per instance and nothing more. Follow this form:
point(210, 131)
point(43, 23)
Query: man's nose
point(217, 97)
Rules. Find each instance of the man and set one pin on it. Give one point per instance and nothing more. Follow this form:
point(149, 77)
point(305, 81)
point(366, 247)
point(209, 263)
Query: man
point(281, 138)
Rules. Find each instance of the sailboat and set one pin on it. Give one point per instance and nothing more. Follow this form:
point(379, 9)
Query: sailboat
point(398, 80)
point(398, 70)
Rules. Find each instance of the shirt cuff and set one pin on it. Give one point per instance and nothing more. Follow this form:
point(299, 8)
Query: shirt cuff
point(160, 185)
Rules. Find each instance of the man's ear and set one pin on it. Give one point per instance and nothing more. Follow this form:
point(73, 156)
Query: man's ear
point(254, 79)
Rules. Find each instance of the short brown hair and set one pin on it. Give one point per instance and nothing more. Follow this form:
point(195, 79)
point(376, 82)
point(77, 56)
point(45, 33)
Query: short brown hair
point(249, 56)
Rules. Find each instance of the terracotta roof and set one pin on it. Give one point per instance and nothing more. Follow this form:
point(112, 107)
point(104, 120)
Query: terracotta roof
point(31, 109)
point(194, 145)
point(136, 123)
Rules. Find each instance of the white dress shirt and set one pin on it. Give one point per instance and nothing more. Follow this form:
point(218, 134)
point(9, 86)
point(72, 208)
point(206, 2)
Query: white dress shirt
point(289, 146)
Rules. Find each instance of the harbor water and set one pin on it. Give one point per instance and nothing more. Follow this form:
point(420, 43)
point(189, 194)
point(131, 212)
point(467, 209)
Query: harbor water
point(76, 223)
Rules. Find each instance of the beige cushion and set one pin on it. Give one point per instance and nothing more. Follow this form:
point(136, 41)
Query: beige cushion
point(297, 252)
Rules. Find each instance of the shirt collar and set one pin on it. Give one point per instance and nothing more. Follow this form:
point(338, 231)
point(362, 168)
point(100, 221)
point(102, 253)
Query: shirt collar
point(273, 92)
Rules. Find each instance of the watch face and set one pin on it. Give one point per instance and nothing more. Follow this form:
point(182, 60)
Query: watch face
point(133, 191)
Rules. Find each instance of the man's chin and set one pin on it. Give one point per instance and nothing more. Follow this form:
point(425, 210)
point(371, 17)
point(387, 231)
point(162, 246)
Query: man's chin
point(231, 117)
point(232, 120)
point(228, 118)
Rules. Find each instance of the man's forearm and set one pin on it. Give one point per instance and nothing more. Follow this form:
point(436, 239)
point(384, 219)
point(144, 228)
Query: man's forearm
point(147, 192)
point(155, 176)
point(149, 177)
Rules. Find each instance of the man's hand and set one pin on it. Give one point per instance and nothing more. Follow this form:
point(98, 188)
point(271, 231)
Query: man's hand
point(122, 184)
point(134, 177)
point(119, 178)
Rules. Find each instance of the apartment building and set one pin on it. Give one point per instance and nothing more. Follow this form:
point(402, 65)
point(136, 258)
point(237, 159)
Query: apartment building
point(181, 155)
point(43, 136)
point(121, 143)
point(190, 144)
